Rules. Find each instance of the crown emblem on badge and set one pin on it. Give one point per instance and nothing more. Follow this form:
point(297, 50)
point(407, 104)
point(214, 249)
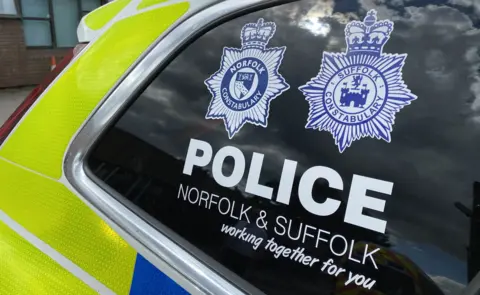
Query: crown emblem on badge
point(248, 79)
point(368, 37)
point(257, 35)
point(358, 93)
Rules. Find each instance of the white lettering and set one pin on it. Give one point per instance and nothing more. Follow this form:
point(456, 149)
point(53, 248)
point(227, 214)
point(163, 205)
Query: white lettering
point(253, 187)
point(370, 255)
point(345, 245)
point(306, 185)
point(286, 182)
point(238, 166)
point(200, 154)
point(358, 199)
point(183, 192)
point(280, 233)
point(194, 160)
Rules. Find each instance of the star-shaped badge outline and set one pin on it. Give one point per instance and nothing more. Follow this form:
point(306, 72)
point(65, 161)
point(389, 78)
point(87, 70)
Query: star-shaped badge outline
point(259, 113)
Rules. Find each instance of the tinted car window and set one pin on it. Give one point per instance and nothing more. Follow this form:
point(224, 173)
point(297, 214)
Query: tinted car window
point(345, 207)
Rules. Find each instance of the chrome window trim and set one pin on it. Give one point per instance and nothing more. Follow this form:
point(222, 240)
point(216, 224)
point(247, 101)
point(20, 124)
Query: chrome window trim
point(159, 248)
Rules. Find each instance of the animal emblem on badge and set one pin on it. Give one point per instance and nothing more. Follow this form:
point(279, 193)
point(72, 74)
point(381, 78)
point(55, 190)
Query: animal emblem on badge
point(357, 93)
point(248, 79)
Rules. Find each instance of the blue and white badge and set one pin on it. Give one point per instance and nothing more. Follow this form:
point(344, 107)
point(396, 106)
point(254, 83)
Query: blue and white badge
point(357, 93)
point(248, 79)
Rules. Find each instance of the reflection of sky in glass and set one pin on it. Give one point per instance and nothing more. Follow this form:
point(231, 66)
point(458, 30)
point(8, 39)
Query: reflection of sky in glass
point(445, 78)
point(446, 270)
point(314, 25)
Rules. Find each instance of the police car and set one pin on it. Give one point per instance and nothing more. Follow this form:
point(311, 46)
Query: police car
point(250, 147)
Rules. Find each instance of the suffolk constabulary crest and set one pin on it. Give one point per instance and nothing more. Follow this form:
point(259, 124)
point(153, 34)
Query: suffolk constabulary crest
point(357, 93)
point(248, 79)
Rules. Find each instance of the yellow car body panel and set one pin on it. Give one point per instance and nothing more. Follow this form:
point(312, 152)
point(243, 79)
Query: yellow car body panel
point(31, 162)
point(47, 209)
point(26, 270)
point(42, 137)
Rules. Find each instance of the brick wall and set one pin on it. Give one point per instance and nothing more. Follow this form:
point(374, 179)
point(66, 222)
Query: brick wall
point(21, 66)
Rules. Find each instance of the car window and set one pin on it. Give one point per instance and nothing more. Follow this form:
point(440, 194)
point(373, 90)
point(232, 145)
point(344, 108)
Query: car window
point(315, 147)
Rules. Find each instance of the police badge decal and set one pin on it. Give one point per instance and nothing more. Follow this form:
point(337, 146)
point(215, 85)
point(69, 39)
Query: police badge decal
point(248, 79)
point(357, 93)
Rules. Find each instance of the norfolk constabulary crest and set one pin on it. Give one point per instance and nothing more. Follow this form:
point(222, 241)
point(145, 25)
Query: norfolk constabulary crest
point(357, 93)
point(248, 79)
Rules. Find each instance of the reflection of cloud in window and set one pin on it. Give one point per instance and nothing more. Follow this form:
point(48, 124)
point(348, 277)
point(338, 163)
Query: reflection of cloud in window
point(383, 11)
point(399, 3)
point(442, 47)
point(436, 40)
point(319, 10)
point(472, 56)
point(441, 19)
point(437, 68)
point(316, 26)
point(475, 4)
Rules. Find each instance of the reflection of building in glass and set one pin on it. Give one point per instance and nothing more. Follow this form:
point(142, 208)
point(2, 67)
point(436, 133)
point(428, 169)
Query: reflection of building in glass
point(473, 249)
point(150, 178)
